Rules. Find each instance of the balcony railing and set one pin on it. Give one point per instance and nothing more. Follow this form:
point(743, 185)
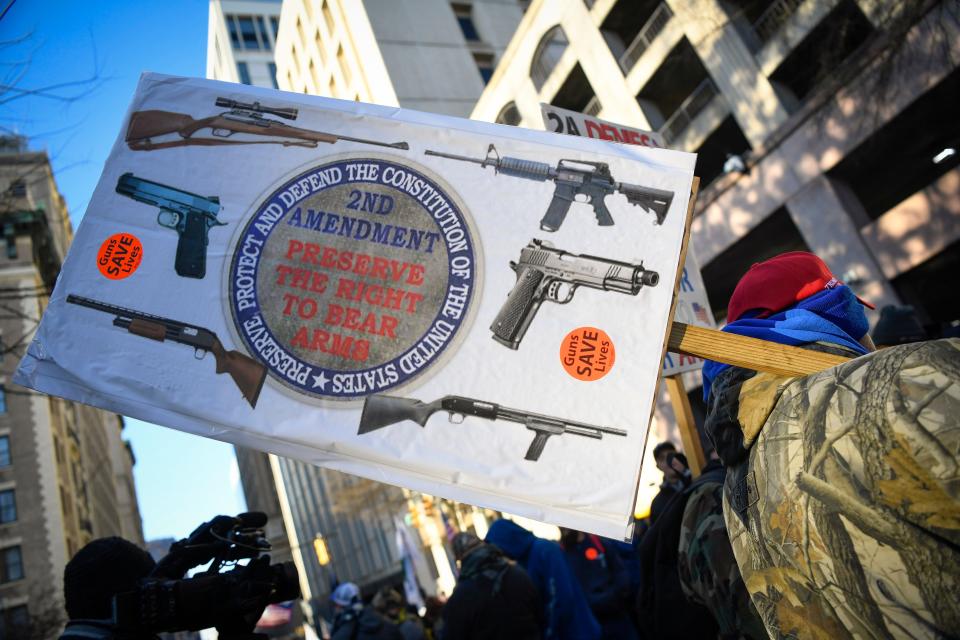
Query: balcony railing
point(655, 24)
point(774, 17)
point(593, 107)
point(696, 102)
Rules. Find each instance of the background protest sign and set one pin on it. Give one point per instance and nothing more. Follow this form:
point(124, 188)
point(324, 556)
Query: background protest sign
point(574, 123)
point(342, 271)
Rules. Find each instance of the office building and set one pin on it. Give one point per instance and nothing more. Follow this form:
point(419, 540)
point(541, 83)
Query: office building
point(430, 55)
point(841, 112)
point(65, 471)
point(240, 41)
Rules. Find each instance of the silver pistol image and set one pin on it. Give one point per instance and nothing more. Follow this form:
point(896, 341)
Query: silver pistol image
point(546, 273)
point(382, 411)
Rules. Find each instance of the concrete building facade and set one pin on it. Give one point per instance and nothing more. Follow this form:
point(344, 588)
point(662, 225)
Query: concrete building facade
point(839, 110)
point(430, 55)
point(65, 472)
point(241, 35)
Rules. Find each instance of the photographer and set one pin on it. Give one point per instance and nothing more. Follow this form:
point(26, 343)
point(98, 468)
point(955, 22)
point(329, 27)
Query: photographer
point(113, 589)
point(676, 476)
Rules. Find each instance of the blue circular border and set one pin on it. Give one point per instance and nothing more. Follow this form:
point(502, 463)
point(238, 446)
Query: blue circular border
point(240, 316)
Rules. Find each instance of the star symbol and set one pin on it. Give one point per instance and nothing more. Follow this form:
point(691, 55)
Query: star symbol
point(321, 381)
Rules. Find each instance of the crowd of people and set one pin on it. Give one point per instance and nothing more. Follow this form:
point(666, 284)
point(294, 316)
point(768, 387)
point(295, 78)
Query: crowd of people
point(829, 506)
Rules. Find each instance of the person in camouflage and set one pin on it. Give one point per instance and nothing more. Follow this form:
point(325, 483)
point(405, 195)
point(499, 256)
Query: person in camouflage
point(842, 495)
point(707, 569)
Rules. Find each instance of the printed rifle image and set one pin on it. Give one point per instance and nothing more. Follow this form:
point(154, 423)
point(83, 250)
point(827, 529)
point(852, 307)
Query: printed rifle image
point(543, 271)
point(178, 129)
point(247, 373)
point(190, 215)
point(591, 179)
point(382, 411)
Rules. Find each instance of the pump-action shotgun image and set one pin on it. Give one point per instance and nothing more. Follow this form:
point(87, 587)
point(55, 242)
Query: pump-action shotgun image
point(247, 373)
point(382, 411)
point(154, 129)
point(573, 178)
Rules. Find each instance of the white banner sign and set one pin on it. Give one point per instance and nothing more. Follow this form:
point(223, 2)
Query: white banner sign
point(331, 281)
point(693, 307)
point(574, 123)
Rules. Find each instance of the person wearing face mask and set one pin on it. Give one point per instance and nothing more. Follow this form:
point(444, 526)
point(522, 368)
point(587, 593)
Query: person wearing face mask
point(842, 491)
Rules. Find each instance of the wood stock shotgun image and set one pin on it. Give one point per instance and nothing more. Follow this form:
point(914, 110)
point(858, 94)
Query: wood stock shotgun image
point(382, 411)
point(247, 373)
point(154, 129)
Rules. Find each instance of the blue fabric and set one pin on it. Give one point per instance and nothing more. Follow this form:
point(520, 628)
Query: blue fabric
point(834, 316)
point(567, 615)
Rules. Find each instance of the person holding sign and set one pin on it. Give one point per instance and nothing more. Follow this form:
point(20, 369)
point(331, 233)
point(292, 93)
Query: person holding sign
point(842, 494)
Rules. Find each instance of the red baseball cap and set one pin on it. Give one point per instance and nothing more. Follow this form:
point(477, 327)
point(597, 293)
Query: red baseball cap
point(781, 282)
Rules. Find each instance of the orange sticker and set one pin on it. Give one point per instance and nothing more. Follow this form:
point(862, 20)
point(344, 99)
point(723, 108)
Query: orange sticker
point(119, 256)
point(587, 353)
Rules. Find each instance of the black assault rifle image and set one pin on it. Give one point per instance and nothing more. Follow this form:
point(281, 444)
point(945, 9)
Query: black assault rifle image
point(190, 215)
point(382, 411)
point(178, 129)
point(573, 178)
point(546, 273)
point(247, 373)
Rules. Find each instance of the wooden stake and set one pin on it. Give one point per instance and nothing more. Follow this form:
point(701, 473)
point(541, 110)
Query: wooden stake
point(689, 436)
point(749, 353)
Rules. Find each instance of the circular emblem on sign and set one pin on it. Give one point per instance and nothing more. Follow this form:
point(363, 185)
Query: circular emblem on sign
point(119, 256)
point(353, 277)
point(587, 353)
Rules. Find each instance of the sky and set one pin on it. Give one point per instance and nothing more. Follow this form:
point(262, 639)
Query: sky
point(73, 67)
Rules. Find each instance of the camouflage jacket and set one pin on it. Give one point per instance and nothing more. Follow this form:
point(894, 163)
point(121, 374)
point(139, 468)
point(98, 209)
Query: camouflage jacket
point(842, 496)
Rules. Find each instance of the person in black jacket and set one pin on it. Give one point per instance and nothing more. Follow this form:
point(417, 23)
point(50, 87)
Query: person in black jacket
point(353, 621)
point(676, 476)
point(604, 579)
point(494, 597)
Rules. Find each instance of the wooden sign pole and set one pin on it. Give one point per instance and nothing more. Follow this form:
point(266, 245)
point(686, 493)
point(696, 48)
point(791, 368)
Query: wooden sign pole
point(689, 437)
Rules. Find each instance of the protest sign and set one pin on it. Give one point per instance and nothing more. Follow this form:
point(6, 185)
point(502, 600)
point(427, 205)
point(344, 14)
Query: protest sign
point(574, 123)
point(350, 277)
point(692, 308)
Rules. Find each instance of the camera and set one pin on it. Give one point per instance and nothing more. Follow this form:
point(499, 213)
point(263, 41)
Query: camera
point(232, 601)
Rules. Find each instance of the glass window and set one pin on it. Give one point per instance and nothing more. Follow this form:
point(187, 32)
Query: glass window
point(3, 399)
point(509, 115)
point(465, 20)
point(244, 72)
point(8, 506)
point(248, 33)
point(11, 565)
point(275, 27)
point(548, 54)
point(5, 451)
point(13, 619)
point(273, 74)
point(234, 32)
point(264, 38)
point(484, 65)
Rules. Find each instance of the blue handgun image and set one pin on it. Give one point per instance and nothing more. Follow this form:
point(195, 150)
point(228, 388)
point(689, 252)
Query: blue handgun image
point(190, 215)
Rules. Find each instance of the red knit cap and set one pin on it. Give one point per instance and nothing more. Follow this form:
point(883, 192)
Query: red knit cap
point(781, 282)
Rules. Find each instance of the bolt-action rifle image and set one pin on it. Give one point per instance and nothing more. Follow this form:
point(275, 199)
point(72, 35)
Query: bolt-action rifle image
point(382, 411)
point(573, 178)
point(190, 215)
point(247, 373)
point(178, 129)
point(546, 273)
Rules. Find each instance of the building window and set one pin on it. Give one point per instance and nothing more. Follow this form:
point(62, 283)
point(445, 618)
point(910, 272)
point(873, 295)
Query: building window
point(547, 55)
point(275, 26)
point(11, 564)
point(273, 74)
point(5, 459)
point(465, 20)
point(8, 506)
point(3, 399)
point(249, 33)
point(484, 65)
point(14, 619)
point(344, 68)
point(328, 16)
point(509, 115)
point(244, 72)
